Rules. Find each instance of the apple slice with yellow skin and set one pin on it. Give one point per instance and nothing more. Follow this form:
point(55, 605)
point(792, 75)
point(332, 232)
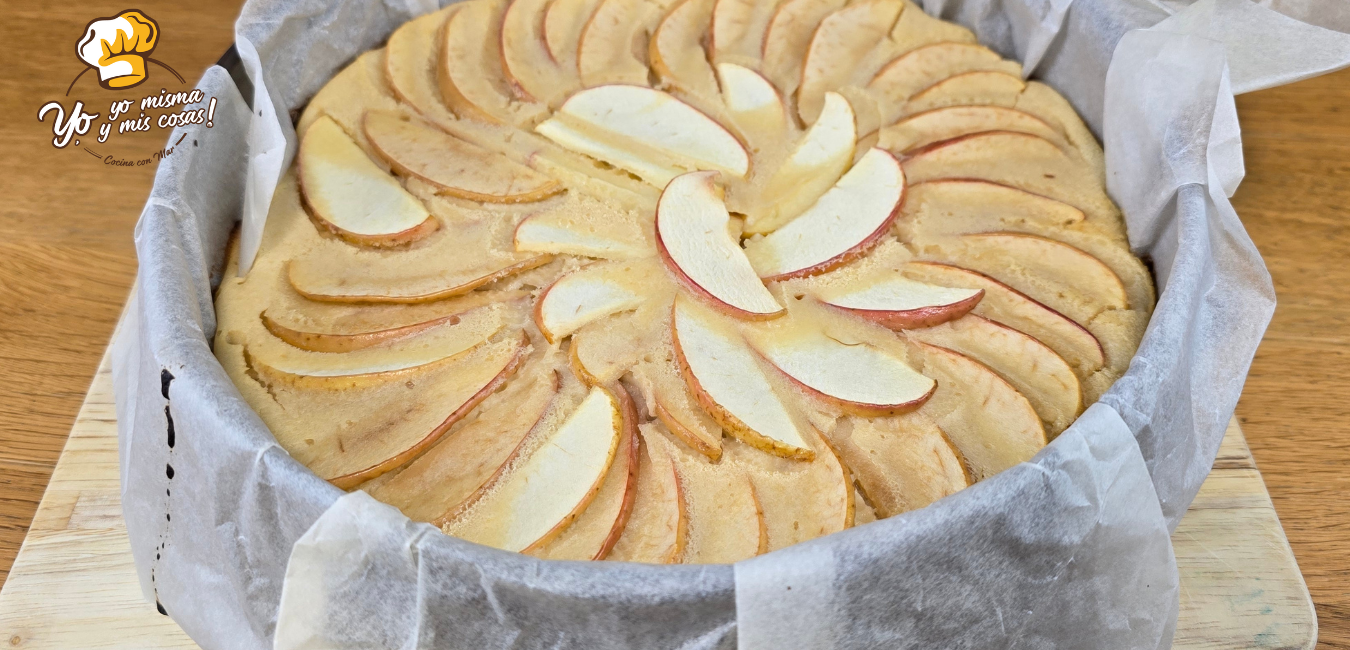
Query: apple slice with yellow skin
point(939, 124)
point(841, 42)
point(330, 280)
point(460, 469)
point(657, 530)
point(897, 302)
point(645, 131)
point(676, 50)
point(922, 67)
point(530, 69)
point(346, 193)
point(978, 87)
point(586, 295)
point(856, 378)
point(410, 61)
point(814, 166)
point(553, 483)
point(607, 52)
point(992, 424)
point(1035, 370)
point(724, 522)
point(671, 402)
point(469, 71)
point(1006, 305)
point(587, 227)
point(752, 103)
point(457, 168)
point(324, 327)
point(693, 238)
point(844, 224)
point(377, 427)
point(725, 377)
point(902, 463)
point(596, 531)
point(799, 501)
point(789, 34)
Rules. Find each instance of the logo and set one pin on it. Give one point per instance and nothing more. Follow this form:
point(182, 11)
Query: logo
point(119, 49)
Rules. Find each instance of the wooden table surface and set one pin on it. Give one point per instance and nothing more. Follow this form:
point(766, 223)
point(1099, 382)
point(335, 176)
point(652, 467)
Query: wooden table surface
point(67, 261)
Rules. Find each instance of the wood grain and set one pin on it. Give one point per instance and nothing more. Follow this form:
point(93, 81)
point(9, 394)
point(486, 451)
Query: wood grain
point(74, 582)
point(66, 261)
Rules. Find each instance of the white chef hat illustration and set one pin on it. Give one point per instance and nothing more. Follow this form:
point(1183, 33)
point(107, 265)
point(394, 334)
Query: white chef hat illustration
point(117, 46)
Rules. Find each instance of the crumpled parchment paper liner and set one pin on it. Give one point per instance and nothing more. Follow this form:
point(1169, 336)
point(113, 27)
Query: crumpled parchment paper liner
point(1068, 550)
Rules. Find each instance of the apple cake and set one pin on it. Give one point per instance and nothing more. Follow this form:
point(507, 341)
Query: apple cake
point(680, 281)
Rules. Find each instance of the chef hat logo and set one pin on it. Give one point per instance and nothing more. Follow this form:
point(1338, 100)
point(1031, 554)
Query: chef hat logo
point(119, 48)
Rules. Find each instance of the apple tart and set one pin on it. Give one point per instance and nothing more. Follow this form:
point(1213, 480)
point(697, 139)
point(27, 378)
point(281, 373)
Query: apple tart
point(681, 281)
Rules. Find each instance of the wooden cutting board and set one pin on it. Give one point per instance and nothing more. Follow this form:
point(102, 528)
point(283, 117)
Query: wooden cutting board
point(73, 584)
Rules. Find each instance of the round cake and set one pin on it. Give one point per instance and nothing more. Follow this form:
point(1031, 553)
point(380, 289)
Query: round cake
point(680, 281)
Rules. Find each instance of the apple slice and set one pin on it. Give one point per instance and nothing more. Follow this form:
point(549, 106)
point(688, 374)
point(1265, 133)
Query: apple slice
point(325, 327)
point(677, 55)
point(844, 224)
point(530, 69)
point(457, 168)
point(737, 30)
point(587, 227)
point(814, 166)
point(564, 21)
point(902, 463)
point(329, 279)
point(857, 378)
point(553, 483)
point(410, 61)
point(723, 517)
point(600, 353)
point(979, 87)
point(914, 29)
point(693, 238)
point(725, 376)
point(594, 534)
point(672, 403)
point(939, 124)
point(1035, 370)
point(800, 501)
point(752, 103)
point(658, 528)
point(585, 295)
point(1006, 305)
point(371, 429)
point(788, 35)
point(925, 66)
point(645, 131)
point(607, 52)
point(841, 42)
point(897, 302)
point(346, 97)
point(346, 193)
point(469, 72)
point(959, 207)
point(991, 423)
point(464, 466)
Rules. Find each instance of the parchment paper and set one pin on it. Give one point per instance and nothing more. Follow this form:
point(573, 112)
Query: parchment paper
point(246, 548)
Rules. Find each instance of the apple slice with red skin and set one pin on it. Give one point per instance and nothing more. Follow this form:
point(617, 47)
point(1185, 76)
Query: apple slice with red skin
point(897, 302)
point(528, 65)
point(724, 521)
point(788, 35)
point(608, 51)
point(816, 163)
point(469, 71)
point(676, 50)
point(967, 88)
point(840, 43)
point(586, 295)
point(564, 21)
point(671, 402)
point(902, 463)
point(799, 500)
point(844, 224)
point(658, 529)
point(693, 238)
point(924, 66)
point(355, 332)
point(922, 129)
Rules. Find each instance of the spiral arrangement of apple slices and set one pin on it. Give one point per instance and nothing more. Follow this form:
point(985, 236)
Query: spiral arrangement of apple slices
point(680, 281)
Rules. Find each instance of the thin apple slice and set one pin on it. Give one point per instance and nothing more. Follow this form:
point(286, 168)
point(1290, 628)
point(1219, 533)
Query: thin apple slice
point(336, 279)
point(607, 52)
point(723, 517)
point(968, 88)
point(693, 237)
point(645, 131)
point(457, 168)
point(841, 42)
point(464, 465)
point(724, 375)
point(959, 207)
point(737, 30)
point(677, 55)
point(349, 94)
point(469, 73)
point(596, 531)
point(671, 402)
point(369, 430)
point(585, 226)
point(600, 353)
point(800, 501)
point(564, 21)
point(922, 129)
point(922, 67)
point(914, 29)
point(349, 195)
point(325, 327)
point(991, 423)
point(530, 69)
point(753, 104)
point(785, 39)
point(1006, 305)
point(902, 463)
point(553, 483)
point(848, 220)
point(586, 295)
point(1035, 370)
point(411, 59)
point(658, 528)
point(814, 166)
point(856, 378)
point(897, 302)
